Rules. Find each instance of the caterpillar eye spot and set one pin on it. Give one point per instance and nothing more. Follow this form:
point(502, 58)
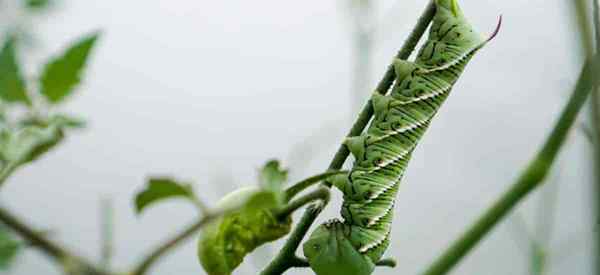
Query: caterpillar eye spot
point(365, 221)
point(316, 247)
point(378, 161)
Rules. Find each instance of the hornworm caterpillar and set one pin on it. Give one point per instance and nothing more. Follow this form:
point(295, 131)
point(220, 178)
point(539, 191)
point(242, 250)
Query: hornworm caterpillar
point(354, 245)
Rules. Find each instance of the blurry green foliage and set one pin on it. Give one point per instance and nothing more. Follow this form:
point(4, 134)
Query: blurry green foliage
point(12, 85)
point(24, 138)
point(37, 4)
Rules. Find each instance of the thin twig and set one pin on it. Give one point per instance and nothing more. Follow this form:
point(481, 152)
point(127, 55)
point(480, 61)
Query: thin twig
point(172, 243)
point(7, 171)
point(298, 187)
point(53, 250)
point(287, 256)
point(531, 178)
point(282, 261)
point(595, 120)
point(319, 194)
point(107, 233)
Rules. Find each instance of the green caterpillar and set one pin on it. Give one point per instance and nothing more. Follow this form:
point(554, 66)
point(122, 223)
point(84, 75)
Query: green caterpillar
point(354, 246)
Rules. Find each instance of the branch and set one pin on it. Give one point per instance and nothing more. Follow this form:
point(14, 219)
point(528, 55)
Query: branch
point(172, 243)
point(282, 262)
point(298, 187)
point(531, 178)
point(107, 232)
point(51, 249)
point(321, 194)
point(287, 256)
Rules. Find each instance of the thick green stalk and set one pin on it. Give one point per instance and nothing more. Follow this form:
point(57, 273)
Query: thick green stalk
point(595, 120)
point(285, 259)
point(531, 178)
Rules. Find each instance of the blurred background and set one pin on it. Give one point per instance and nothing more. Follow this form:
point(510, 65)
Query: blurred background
point(207, 91)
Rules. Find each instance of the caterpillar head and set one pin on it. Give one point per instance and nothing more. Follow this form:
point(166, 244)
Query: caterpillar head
point(330, 252)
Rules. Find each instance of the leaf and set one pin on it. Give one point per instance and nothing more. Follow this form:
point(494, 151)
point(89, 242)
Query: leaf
point(9, 249)
point(12, 85)
point(159, 189)
point(272, 177)
point(37, 4)
point(62, 74)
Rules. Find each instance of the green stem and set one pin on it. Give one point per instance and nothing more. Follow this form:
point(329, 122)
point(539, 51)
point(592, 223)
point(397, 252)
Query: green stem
point(282, 261)
point(595, 120)
point(293, 190)
point(287, 258)
point(7, 171)
point(531, 178)
point(321, 194)
point(161, 250)
point(107, 233)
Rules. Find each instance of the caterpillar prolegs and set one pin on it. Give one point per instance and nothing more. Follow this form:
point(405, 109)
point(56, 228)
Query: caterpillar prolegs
point(354, 245)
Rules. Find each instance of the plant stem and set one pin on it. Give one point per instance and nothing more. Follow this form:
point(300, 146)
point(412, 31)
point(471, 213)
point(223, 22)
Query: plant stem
point(595, 120)
point(531, 178)
point(53, 250)
point(298, 187)
point(7, 171)
point(282, 261)
point(287, 256)
point(107, 232)
point(172, 243)
point(319, 194)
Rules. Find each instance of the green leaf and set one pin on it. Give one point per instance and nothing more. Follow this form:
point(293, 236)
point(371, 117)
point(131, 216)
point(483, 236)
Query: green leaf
point(159, 189)
point(37, 4)
point(9, 249)
point(12, 85)
point(62, 74)
point(272, 177)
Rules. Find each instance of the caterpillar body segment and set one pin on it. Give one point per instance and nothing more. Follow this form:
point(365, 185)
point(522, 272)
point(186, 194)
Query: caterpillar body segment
point(352, 245)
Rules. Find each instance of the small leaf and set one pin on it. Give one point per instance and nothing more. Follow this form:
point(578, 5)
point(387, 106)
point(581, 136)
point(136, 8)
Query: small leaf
point(159, 189)
point(37, 4)
point(9, 249)
point(62, 74)
point(272, 177)
point(12, 85)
